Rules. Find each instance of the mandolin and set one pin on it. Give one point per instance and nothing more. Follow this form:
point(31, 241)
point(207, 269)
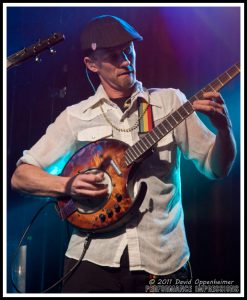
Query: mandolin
point(116, 159)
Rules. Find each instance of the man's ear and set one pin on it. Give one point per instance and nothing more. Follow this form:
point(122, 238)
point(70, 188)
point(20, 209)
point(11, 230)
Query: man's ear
point(90, 64)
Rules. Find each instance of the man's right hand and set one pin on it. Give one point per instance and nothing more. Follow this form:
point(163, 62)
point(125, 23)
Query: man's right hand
point(35, 181)
point(88, 184)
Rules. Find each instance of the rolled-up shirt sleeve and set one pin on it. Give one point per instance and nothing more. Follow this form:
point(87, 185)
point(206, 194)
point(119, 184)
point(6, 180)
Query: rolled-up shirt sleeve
point(195, 140)
point(56, 142)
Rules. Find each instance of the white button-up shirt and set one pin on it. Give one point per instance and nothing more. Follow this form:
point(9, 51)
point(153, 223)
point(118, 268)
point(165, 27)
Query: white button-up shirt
point(156, 237)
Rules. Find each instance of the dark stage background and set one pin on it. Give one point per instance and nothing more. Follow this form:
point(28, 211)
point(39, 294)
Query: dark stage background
point(183, 47)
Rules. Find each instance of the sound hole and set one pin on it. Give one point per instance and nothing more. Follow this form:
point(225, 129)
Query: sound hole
point(89, 204)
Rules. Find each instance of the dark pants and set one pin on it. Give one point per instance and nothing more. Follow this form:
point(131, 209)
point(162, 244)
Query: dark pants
point(91, 278)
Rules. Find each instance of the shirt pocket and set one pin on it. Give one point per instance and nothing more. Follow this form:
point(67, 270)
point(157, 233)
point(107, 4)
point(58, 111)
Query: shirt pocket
point(164, 148)
point(94, 133)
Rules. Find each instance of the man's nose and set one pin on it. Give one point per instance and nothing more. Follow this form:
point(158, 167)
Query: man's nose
point(124, 59)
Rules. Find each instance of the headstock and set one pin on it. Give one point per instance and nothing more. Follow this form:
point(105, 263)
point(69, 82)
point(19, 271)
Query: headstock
point(33, 50)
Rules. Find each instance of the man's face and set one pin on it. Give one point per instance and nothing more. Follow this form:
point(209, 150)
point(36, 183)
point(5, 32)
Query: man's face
point(116, 67)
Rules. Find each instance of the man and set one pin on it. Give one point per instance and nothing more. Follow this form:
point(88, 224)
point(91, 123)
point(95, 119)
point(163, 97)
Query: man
point(152, 244)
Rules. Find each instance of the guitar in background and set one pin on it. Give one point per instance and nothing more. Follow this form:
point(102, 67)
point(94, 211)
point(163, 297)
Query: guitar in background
point(32, 51)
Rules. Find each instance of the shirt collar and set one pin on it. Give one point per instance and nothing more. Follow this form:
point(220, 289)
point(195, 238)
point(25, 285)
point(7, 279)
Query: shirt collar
point(100, 94)
point(145, 94)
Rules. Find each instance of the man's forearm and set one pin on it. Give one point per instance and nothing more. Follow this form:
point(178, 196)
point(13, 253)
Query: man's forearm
point(223, 153)
point(33, 180)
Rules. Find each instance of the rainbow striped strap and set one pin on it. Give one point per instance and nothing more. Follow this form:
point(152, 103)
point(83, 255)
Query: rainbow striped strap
point(146, 122)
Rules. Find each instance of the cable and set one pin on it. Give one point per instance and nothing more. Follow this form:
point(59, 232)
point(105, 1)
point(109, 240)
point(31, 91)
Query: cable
point(88, 78)
point(85, 247)
point(22, 238)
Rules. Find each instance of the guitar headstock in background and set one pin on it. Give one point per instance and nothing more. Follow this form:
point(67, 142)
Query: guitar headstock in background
point(33, 50)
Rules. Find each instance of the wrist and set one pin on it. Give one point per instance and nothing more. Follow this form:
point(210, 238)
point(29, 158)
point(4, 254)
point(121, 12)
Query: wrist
point(225, 131)
point(62, 186)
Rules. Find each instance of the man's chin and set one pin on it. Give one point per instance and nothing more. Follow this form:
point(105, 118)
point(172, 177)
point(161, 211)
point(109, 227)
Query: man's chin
point(129, 83)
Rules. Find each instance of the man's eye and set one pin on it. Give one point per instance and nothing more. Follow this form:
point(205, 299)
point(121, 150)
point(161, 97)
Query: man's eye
point(113, 56)
point(116, 55)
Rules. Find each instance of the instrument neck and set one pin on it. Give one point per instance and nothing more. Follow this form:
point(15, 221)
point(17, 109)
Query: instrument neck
point(135, 152)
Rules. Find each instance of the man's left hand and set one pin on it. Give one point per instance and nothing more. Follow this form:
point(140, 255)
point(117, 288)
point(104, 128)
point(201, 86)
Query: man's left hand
point(214, 107)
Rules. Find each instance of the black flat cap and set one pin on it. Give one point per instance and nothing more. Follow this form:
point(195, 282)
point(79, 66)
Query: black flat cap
point(107, 31)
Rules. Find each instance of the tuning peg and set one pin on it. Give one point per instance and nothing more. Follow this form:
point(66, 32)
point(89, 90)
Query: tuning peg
point(37, 59)
point(52, 51)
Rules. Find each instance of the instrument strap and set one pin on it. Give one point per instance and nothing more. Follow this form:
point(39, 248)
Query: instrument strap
point(146, 123)
point(68, 209)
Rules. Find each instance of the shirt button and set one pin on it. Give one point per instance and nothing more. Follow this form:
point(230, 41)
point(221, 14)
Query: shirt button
point(93, 137)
